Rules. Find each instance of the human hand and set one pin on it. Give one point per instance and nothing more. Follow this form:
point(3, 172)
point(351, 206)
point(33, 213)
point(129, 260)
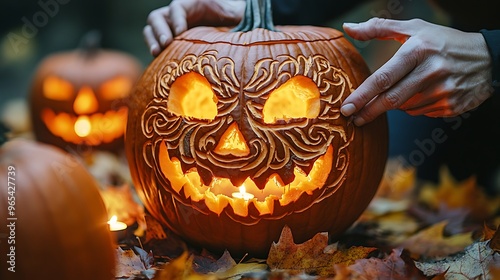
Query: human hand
point(438, 71)
point(164, 23)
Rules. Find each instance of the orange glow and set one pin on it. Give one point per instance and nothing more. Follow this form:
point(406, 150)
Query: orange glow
point(220, 193)
point(232, 142)
point(116, 88)
point(296, 98)
point(242, 194)
point(115, 225)
point(191, 96)
point(85, 102)
point(57, 89)
point(83, 127)
point(93, 129)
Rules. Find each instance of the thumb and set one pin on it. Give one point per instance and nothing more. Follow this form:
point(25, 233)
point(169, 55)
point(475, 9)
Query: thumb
point(379, 28)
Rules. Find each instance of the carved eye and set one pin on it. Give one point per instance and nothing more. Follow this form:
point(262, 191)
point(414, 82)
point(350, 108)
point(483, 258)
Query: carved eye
point(116, 88)
point(191, 96)
point(57, 89)
point(296, 98)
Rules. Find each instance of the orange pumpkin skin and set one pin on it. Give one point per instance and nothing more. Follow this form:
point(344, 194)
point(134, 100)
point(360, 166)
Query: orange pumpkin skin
point(61, 230)
point(88, 83)
point(243, 70)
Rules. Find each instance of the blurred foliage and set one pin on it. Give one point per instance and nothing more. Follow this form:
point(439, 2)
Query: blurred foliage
point(31, 30)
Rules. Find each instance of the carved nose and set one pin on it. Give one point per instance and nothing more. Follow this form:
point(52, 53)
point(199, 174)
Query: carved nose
point(85, 102)
point(232, 142)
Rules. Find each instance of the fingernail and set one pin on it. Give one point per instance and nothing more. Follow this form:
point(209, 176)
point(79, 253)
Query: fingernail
point(350, 24)
point(359, 121)
point(348, 109)
point(163, 40)
point(153, 49)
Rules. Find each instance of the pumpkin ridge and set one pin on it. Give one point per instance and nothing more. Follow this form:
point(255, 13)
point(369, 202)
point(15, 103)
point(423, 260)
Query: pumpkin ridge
point(259, 43)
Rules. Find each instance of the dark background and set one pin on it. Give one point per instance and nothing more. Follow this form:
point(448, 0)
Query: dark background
point(121, 22)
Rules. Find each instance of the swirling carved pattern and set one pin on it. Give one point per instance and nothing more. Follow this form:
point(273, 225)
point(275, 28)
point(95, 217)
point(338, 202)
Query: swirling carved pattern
point(273, 147)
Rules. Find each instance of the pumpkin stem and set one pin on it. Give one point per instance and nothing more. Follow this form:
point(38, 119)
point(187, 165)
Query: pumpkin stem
point(4, 130)
point(90, 43)
point(258, 14)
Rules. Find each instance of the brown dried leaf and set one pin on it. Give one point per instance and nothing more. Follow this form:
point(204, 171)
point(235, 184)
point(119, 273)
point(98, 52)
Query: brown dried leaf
point(310, 257)
point(397, 182)
point(455, 217)
point(454, 194)
point(488, 233)
point(181, 269)
point(396, 227)
point(206, 263)
point(128, 263)
point(240, 269)
point(495, 241)
point(146, 258)
point(473, 263)
point(394, 267)
point(431, 242)
point(163, 243)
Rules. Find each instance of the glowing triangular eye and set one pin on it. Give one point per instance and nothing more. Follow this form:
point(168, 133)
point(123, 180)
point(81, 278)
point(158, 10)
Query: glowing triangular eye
point(56, 88)
point(296, 98)
point(116, 88)
point(191, 96)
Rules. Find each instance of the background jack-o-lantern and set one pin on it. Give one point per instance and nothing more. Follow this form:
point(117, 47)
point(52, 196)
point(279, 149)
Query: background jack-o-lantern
point(236, 134)
point(78, 97)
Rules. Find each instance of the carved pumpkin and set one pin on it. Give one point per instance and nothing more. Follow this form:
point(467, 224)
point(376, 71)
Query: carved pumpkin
point(57, 220)
point(236, 134)
point(77, 98)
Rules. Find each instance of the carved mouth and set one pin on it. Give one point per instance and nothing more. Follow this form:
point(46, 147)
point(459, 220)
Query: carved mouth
point(220, 193)
point(92, 129)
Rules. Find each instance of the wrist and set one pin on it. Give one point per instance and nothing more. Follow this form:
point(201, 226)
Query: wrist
point(492, 39)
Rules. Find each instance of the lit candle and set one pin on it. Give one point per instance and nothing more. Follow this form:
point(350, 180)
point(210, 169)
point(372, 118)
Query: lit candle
point(115, 225)
point(83, 127)
point(243, 193)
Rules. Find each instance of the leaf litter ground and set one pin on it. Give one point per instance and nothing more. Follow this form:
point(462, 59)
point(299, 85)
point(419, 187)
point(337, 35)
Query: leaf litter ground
point(411, 230)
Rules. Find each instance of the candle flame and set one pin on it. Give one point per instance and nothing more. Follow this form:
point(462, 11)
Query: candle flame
point(115, 225)
point(243, 193)
point(113, 219)
point(242, 189)
point(83, 126)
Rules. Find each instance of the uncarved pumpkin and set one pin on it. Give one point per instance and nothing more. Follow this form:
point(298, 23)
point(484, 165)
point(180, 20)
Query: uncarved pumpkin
point(60, 227)
point(77, 98)
point(253, 114)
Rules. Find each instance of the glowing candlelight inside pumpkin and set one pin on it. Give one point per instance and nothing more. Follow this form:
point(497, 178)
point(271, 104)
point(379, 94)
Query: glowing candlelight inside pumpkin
point(115, 225)
point(83, 126)
point(243, 193)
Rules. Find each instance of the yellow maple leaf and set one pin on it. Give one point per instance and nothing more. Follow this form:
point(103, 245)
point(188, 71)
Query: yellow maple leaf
point(181, 268)
point(431, 242)
point(459, 194)
point(312, 256)
point(398, 181)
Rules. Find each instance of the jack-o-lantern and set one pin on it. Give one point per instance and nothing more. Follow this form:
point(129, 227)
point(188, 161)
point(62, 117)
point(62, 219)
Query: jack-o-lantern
point(236, 134)
point(78, 98)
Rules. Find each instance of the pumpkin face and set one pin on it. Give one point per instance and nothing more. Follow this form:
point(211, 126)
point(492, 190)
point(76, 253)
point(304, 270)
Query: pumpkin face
point(235, 135)
point(77, 98)
point(60, 228)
